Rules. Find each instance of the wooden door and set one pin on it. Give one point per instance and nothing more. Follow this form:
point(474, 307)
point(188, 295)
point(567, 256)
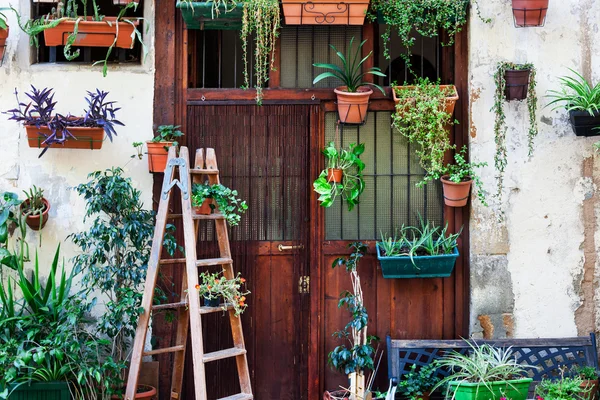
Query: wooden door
point(263, 153)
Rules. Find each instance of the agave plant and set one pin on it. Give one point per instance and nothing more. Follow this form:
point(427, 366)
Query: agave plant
point(576, 94)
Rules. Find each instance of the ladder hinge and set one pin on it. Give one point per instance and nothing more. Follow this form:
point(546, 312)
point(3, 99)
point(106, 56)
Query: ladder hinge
point(304, 285)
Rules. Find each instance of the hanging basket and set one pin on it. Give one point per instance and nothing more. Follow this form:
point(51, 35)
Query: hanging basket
point(93, 33)
point(455, 194)
point(90, 138)
point(517, 84)
point(201, 15)
point(450, 102)
point(424, 266)
point(529, 13)
point(325, 12)
point(353, 107)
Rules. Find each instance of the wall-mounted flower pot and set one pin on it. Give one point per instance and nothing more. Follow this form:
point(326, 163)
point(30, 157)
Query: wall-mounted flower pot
point(449, 104)
point(585, 124)
point(353, 107)
point(3, 37)
point(85, 138)
point(325, 12)
point(158, 154)
point(335, 175)
point(33, 221)
point(455, 194)
point(41, 391)
point(424, 266)
point(200, 15)
point(93, 33)
point(529, 13)
point(517, 84)
point(515, 389)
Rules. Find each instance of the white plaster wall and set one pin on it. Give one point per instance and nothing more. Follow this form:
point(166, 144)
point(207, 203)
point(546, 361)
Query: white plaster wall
point(132, 86)
point(542, 232)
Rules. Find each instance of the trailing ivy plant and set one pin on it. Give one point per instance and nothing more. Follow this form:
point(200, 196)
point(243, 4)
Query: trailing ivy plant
point(422, 118)
point(500, 127)
point(352, 185)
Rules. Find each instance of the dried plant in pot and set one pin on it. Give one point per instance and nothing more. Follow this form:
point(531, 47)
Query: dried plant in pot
point(353, 96)
point(158, 148)
point(529, 13)
point(35, 208)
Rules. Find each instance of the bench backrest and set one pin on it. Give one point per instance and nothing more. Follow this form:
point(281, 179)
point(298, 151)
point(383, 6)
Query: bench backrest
point(547, 354)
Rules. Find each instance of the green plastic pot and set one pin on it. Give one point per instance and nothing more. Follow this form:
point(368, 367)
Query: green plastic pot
point(199, 15)
point(515, 389)
point(41, 391)
point(424, 266)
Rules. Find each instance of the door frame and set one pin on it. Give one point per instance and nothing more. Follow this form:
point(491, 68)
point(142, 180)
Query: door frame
point(171, 97)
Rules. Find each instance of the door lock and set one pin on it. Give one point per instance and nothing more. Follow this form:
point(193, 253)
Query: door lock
point(282, 247)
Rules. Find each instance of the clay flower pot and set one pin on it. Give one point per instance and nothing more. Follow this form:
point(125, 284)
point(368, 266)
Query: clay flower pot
point(158, 154)
point(143, 392)
point(456, 194)
point(334, 175)
point(90, 138)
point(33, 221)
point(517, 83)
point(591, 386)
point(93, 33)
point(3, 36)
point(325, 12)
point(204, 209)
point(353, 107)
point(529, 13)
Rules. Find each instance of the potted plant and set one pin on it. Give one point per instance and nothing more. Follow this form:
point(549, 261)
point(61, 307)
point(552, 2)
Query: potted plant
point(325, 12)
point(356, 356)
point(529, 13)
point(3, 34)
point(47, 129)
point(581, 100)
point(158, 148)
point(509, 87)
point(329, 185)
point(566, 387)
point(589, 386)
point(8, 221)
point(353, 96)
point(424, 113)
point(68, 30)
point(486, 372)
point(418, 385)
point(35, 208)
point(258, 19)
point(425, 252)
point(218, 291)
point(204, 197)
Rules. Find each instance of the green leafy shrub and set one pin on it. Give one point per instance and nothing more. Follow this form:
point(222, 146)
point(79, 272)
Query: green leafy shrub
point(229, 204)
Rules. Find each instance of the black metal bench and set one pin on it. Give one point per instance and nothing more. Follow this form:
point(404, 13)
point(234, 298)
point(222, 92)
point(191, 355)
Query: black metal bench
point(547, 354)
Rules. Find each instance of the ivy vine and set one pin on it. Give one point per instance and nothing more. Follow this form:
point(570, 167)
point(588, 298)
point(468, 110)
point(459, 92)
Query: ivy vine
point(500, 127)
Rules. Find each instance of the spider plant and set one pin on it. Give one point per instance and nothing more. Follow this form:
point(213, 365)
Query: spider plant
point(576, 94)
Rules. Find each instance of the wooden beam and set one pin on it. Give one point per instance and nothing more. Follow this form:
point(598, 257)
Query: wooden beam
point(272, 94)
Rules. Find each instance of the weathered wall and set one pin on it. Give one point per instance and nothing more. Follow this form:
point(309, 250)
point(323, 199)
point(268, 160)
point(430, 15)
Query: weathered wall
point(533, 273)
point(132, 86)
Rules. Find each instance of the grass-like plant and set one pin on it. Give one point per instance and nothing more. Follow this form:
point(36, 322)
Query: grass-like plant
point(576, 94)
point(351, 73)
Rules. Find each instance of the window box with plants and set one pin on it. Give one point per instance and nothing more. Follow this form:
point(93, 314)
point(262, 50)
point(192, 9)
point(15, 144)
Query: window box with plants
point(325, 12)
point(353, 96)
point(207, 198)
point(529, 13)
point(212, 15)
point(581, 101)
point(425, 252)
point(158, 148)
point(343, 176)
point(47, 129)
point(485, 373)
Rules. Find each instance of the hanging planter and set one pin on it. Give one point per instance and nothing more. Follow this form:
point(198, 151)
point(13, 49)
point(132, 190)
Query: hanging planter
point(158, 148)
point(456, 194)
point(93, 33)
point(451, 97)
point(517, 84)
point(3, 37)
point(335, 175)
point(203, 15)
point(529, 13)
point(585, 124)
point(90, 138)
point(325, 12)
point(353, 106)
point(35, 208)
point(418, 267)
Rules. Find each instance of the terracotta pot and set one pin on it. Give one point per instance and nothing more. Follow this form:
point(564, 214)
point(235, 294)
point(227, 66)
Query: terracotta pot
point(530, 12)
point(517, 83)
point(449, 104)
point(592, 386)
point(353, 107)
point(456, 194)
point(86, 138)
point(92, 33)
point(144, 392)
point(325, 12)
point(204, 209)
point(158, 154)
point(33, 221)
point(3, 36)
point(335, 175)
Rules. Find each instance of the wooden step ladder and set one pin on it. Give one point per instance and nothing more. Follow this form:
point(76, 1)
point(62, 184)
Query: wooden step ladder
point(188, 308)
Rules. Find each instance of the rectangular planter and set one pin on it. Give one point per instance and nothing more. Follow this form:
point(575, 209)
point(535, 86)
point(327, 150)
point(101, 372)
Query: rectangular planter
point(514, 390)
point(87, 138)
point(200, 15)
point(42, 391)
point(584, 124)
point(450, 100)
point(325, 12)
point(93, 33)
point(426, 266)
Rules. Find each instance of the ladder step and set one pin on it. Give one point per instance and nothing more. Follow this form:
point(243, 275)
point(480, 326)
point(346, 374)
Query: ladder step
point(197, 216)
point(213, 261)
point(239, 396)
point(170, 306)
point(200, 171)
point(173, 349)
point(221, 354)
point(209, 310)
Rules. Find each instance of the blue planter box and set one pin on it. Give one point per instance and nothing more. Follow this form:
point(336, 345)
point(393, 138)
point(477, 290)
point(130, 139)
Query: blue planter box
point(423, 267)
point(41, 391)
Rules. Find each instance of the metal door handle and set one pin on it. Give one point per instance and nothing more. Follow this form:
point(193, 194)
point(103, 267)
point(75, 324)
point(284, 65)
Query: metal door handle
point(281, 247)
